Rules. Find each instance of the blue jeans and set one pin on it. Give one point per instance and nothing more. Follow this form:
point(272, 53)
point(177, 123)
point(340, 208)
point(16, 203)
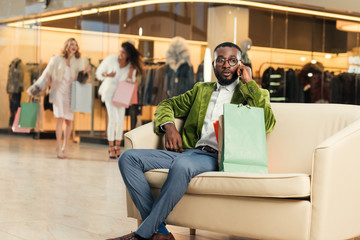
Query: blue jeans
point(182, 168)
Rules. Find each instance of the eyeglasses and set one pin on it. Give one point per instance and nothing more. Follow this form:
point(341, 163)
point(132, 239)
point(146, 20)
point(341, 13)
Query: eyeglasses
point(221, 61)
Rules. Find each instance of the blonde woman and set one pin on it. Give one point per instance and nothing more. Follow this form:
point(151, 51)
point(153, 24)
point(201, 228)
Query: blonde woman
point(113, 69)
point(61, 71)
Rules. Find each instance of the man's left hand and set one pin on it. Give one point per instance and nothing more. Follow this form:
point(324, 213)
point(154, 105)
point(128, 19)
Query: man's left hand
point(245, 72)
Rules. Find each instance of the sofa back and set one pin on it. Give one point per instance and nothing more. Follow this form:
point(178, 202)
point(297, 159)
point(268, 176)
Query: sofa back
point(300, 128)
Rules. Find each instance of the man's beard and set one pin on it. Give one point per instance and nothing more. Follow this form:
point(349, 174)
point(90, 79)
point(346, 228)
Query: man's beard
point(225, 82)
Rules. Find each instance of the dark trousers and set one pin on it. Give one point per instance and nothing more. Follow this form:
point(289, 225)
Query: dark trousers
point(14, 101)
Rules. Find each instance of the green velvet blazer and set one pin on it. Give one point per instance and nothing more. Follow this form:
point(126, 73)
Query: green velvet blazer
point(192, 107)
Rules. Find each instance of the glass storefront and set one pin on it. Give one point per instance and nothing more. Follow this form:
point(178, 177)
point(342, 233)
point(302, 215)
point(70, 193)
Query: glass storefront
point(299, 56)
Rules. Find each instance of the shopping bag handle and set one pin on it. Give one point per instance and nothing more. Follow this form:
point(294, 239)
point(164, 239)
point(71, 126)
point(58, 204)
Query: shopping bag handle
point(32, 99)
point(242, 105)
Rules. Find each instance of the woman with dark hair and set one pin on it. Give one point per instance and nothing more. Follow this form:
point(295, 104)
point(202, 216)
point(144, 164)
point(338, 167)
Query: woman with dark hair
point(61, 71)
point(112, 70)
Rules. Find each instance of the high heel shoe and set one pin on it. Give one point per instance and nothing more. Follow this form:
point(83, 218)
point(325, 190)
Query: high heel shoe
point(117, 148)
point(112, 153)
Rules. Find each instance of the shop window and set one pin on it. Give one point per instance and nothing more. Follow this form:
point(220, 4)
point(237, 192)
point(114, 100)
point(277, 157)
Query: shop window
point(146, 48)
point(70, 23)
point(300, 34)
point(279, 30)
point(336, 41)
point(94, 22)
point(138, 10)
point(353, 40)
point(179, 9)
point(260, 27)
point(290, 31)
point(164, 7)
point(188, 20)
point(129, 14)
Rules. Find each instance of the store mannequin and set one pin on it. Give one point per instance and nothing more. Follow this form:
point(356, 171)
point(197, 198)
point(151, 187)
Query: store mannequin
point(14, 86)
point(245, 46)
point(179, 73)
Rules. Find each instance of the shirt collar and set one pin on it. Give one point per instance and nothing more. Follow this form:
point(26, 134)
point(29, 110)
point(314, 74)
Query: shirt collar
point(229, 88)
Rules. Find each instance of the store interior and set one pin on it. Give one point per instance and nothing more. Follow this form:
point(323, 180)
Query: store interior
point(320, 50)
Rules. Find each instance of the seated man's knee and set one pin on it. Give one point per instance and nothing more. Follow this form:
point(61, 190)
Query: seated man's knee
point(124, 157)
point(127, 157)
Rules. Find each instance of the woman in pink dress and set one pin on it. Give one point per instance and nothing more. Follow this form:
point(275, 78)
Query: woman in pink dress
point(61, 71)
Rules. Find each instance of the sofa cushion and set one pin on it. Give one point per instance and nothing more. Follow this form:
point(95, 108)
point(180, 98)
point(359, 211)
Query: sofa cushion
point(285, 185)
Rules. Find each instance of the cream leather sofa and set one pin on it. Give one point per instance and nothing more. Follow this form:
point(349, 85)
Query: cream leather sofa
point(312, 190)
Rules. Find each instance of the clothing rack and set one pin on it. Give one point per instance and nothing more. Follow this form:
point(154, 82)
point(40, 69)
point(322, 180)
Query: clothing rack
point(154, 61)
point(291, 65)
point(287, 66)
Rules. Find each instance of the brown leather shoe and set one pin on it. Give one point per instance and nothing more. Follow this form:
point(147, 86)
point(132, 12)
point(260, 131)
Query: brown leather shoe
point(160, 236)
point(130, 236)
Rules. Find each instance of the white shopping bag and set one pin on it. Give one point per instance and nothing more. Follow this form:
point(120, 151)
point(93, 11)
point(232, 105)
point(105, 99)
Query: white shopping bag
point(81, 97)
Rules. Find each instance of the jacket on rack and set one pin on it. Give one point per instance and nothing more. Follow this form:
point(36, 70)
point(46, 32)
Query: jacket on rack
point(275, 81)
point(15, 81)
point(294, 89)
point(158, 87)
point(343, 89)
point(54, 71)
point(179, 73)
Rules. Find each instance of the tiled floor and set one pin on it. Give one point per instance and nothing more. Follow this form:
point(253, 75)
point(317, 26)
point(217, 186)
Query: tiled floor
point(83, 197)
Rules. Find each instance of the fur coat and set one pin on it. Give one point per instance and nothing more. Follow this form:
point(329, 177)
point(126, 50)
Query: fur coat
point(53, 73)
point(108, 87)
point(179, 73)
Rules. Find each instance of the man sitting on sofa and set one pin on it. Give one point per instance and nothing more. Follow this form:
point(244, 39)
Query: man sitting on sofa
point(195, 151)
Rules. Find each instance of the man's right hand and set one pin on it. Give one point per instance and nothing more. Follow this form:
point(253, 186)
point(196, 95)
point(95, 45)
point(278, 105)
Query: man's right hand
point(173, 141)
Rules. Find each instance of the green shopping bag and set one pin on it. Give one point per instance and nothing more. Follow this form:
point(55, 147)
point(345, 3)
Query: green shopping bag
point(28, 114)
point(244, 140)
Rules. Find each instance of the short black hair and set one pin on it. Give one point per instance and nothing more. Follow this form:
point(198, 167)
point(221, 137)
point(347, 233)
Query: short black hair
point(228, 44)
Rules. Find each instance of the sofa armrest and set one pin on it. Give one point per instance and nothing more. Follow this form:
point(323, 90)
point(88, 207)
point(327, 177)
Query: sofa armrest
point(144, 137)
point(335, 192)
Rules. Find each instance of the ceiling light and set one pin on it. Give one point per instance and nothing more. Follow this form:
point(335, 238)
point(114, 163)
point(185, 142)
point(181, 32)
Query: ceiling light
point(327, 56)
point(313, 61)
point(303, 59)
point(234, 2)
point(243, 3)
point(348, 26)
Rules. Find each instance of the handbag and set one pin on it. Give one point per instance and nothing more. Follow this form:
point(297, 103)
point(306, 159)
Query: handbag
point(15, 127)
point(124, 94)
point(244, 140)
point(28, 114)
point(81, 97)
point(47, 104)
point(82, 78)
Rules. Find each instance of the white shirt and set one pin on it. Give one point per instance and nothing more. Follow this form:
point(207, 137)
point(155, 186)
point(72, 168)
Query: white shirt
point(221, 95)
